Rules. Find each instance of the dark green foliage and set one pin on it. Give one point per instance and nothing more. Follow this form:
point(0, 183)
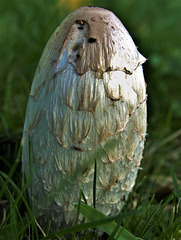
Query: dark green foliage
point(25, 27)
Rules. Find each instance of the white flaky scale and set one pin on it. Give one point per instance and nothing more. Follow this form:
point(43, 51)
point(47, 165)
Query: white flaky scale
point(87, 102)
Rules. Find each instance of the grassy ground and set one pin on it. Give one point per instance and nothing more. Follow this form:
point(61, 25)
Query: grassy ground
point(153, 209)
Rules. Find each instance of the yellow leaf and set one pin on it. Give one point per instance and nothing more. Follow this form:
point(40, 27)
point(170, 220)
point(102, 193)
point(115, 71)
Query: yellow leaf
point(73, 4)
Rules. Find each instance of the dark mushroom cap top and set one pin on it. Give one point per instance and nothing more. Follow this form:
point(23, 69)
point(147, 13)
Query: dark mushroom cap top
point(104, 40)
point(90, 38)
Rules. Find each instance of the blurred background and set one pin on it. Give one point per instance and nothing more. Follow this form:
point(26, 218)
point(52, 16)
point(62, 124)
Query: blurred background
point(26, 26)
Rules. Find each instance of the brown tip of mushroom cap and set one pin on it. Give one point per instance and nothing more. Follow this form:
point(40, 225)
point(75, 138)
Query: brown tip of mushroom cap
point(95, 39)
point(96, 50)
point(104, 37)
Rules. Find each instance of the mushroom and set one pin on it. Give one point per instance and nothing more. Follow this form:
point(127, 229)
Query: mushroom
point(87, 102)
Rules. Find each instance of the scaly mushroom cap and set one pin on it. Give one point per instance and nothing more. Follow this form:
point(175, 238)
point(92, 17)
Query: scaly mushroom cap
point(87, 102)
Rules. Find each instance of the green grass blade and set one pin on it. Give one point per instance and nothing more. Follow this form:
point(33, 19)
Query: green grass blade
point(83, 196)
point(11, 201)
point(177, 190)
point(78, 213)
point(141, 192)
point(94, 184)
point(21, 197)
point(88, 236)
point(93, 214)
point(90, 225)
point(20, 192)
point(12, 170)
point(111, 237)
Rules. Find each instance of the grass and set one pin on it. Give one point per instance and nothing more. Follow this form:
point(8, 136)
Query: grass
point(143, 217)
point(153, 210)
